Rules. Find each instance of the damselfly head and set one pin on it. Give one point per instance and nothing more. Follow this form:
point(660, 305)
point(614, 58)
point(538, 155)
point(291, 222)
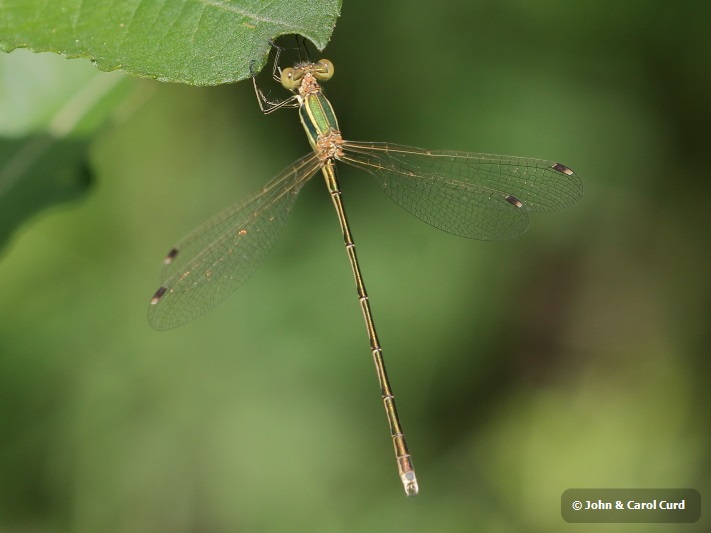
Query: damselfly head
point(323, 70)
point(291, 78)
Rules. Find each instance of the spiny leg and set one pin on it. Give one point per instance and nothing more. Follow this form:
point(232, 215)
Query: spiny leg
point(265, 105)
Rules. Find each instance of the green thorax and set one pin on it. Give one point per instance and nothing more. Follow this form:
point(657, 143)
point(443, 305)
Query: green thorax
point(317, 116)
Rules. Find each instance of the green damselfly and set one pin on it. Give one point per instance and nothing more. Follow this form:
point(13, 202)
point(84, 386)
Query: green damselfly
point(479, 196)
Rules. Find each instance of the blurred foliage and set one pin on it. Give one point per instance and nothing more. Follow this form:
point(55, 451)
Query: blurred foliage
point(50, 115)
point(188, 41)
point(576, 356)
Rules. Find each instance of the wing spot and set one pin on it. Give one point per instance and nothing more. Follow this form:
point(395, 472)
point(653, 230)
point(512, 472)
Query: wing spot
point(562, 169)
point(514, 201)
point(158, 295)
point(170, 257)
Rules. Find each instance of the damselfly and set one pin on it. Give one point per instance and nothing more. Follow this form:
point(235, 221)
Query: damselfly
point(479, 196)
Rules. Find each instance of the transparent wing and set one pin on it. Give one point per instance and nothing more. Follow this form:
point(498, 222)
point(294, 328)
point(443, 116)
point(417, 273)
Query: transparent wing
point(213, 260)
point(479, 196)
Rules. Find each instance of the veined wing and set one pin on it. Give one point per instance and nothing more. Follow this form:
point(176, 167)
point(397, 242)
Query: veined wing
point(218, 256)
point(479, 196)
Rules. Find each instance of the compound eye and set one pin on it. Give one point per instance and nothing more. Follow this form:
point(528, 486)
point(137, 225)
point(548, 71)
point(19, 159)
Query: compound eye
point(291, 79)
point(323, 70)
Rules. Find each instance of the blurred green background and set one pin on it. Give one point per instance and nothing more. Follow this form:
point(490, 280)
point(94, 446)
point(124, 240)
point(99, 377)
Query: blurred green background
point(574, 357)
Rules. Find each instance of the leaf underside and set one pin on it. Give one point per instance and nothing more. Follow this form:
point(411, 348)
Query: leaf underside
point(199, 42)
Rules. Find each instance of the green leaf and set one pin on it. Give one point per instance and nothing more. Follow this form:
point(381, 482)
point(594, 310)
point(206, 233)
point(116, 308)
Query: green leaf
point(49, 114)
point(200, 42)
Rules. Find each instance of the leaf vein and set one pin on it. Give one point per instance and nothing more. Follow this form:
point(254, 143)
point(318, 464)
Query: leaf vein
point(233, 9)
